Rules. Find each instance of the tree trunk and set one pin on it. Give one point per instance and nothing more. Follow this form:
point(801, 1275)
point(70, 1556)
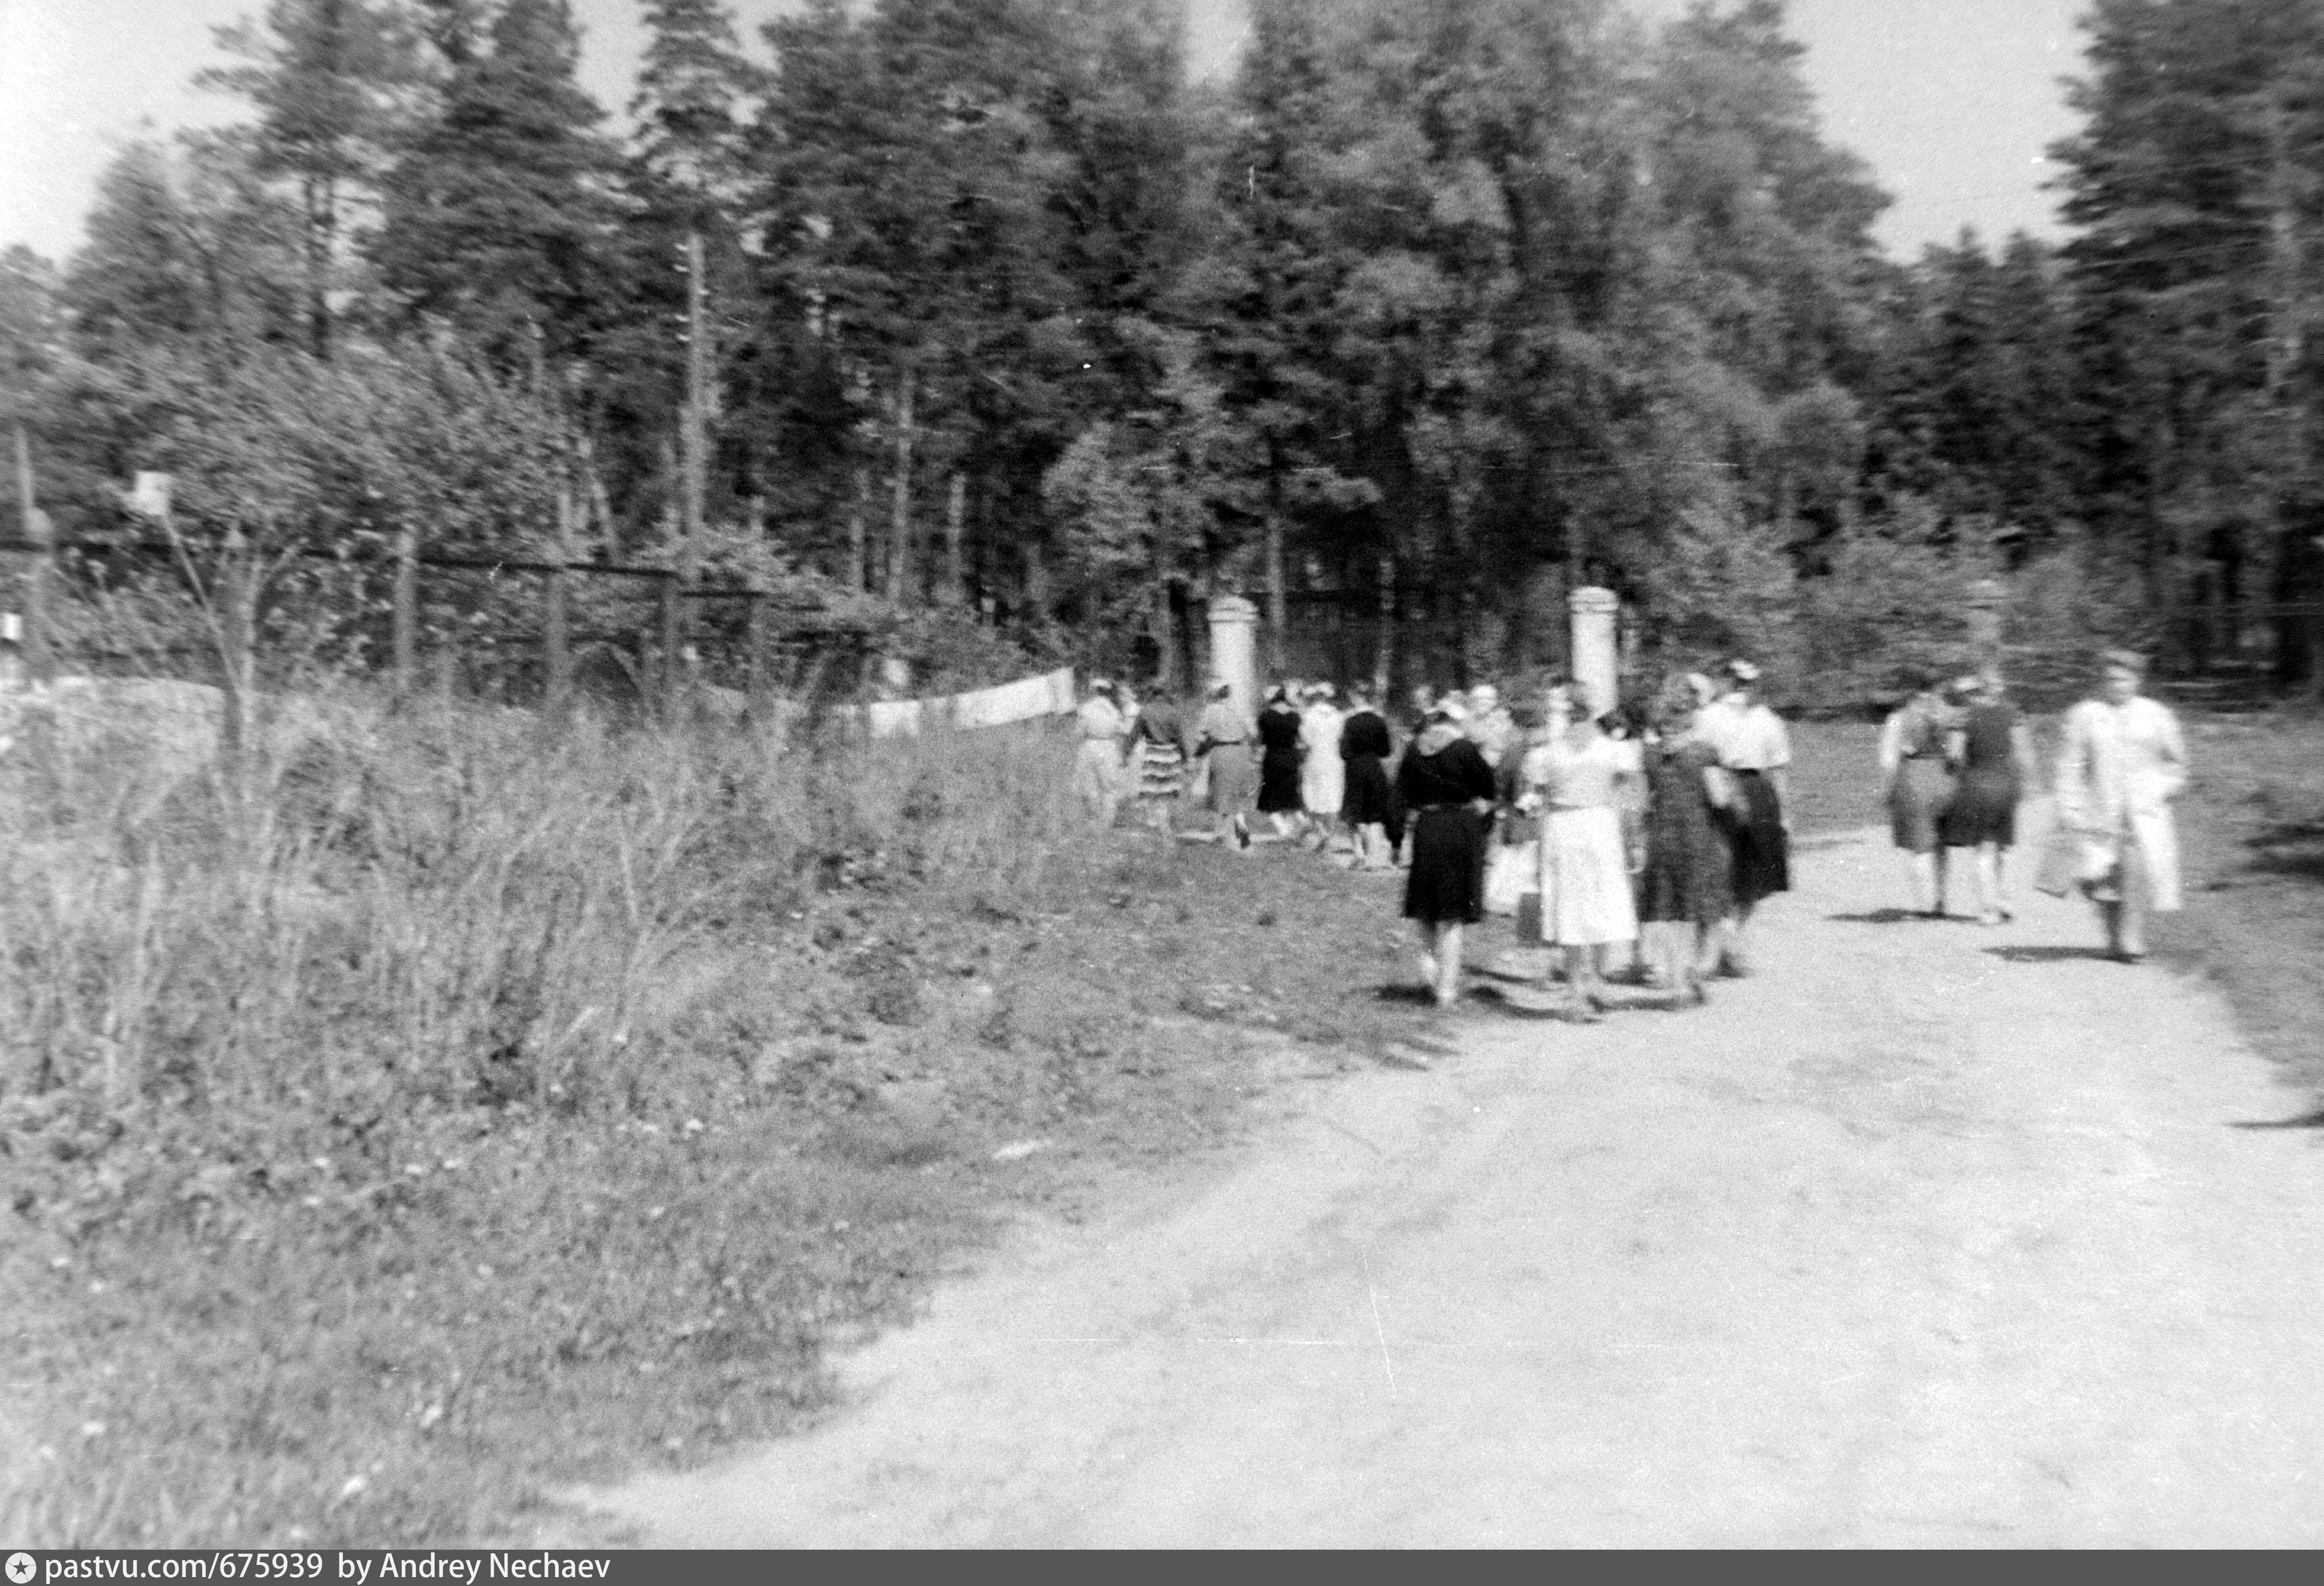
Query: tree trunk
point(955, 574)
point(1165, 638)
point(899, 529)
point(322, 205)
point(1278, 598)
point(1384, 653)
point(859, 566)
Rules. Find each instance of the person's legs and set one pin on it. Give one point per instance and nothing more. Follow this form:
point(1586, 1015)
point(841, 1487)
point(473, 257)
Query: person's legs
point(1582, 979)
point(2136, 898)
point(1448, 962)
point(2001, 882)
point(1988, 883)
point(1430, 974)
point(1924, 882)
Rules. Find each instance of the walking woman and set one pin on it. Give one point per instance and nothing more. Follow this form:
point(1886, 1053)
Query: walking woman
point(1755, 750)
point(1448, 790)
point(1279, 765)
point(1097, 765)
point(1369, 804)
point(1223, 741)
point(1684, 893)
point(1322, 774)
point(1993, 756)
point(1160, 752)
point(1916, 779)
point(2122, 763)
point(1586, 906)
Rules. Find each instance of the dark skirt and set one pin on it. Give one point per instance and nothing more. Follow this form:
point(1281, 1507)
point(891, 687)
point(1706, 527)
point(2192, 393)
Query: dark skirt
point(1369, 798)
point(1278, 782)
point(1446, 883)
point(1983, 809)
point(1761, 852)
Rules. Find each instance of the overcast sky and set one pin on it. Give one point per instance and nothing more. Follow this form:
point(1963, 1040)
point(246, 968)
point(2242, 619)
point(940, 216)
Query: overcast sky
point(1951, 101)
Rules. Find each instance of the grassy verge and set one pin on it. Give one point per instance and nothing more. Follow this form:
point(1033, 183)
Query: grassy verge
point(2252, 826)
point(448, 1115)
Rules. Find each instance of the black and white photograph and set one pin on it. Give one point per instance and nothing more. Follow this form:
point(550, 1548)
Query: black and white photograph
point(1072, 775)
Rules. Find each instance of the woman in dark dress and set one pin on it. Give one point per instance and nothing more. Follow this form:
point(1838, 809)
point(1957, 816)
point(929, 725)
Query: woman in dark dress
point(1993, 756)
point(1448, 790)
point(1369, 806)
point(1685, 888)
point(1278, 762)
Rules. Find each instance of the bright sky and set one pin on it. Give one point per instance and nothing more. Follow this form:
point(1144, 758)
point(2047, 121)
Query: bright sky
point(1951, 101)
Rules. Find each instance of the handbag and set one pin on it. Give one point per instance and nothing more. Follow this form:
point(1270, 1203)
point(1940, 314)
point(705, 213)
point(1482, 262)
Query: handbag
point(2073, 858)
point(1512, 872)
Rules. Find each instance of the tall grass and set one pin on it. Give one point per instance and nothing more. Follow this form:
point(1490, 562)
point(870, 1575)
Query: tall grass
point(430, 1094)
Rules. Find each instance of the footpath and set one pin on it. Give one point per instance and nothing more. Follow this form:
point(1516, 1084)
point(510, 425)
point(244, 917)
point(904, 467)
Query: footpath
point(1928, 1234)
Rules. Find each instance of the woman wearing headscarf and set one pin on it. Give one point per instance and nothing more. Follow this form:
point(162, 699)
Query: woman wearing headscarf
point(1223, 741)
point(1916, 779)
point(2121, 762)
point(1993, 755)
point(1323, 775)
point(1278, 764)
point(1448, 790)
point(1370, 804)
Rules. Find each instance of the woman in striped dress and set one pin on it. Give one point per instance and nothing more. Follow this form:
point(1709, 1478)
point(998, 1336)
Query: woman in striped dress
point(1161, 750)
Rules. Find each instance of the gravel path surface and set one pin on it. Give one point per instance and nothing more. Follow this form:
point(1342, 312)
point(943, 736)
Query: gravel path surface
point(1926, 1235)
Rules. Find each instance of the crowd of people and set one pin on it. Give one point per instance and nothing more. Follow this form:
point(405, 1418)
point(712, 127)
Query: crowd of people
point(1638, 841)
point(1631, 840)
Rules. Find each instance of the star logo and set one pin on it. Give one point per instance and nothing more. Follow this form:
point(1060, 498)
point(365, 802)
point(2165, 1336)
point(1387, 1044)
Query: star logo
point(20, 1568)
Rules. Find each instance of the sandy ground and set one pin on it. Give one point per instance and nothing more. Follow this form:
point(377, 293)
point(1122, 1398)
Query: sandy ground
point(1927, 1234)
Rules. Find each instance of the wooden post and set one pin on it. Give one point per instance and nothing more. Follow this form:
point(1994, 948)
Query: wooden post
point(671, 665)
point(39, 648)
point(556, 639)
point(234, 595)
point(761, 676)
point(407, 613)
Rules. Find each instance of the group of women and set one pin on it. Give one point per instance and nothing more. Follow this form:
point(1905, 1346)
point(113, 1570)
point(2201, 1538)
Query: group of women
point(1304, 764)
point(1659, 830)
point(1956, 759)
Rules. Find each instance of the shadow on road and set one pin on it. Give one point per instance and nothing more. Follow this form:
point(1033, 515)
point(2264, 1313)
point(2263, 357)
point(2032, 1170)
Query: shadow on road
point(2305, 1120)
point(1886, 917)
point(2047, 954)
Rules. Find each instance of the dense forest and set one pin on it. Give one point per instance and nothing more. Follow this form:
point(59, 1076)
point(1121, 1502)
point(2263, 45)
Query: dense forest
point(979, 320)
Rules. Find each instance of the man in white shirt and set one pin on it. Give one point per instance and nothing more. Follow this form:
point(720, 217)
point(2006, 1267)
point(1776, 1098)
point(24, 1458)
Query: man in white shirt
point(2121, 761)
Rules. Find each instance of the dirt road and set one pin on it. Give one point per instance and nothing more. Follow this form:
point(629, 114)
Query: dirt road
point(1928, 1234)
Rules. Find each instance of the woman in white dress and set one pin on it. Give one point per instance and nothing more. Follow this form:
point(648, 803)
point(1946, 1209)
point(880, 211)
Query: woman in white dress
point(1322, 774)
point(2122, 763)
point(1586, 909)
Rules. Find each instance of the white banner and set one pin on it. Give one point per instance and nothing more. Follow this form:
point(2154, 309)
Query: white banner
point(1027, 699)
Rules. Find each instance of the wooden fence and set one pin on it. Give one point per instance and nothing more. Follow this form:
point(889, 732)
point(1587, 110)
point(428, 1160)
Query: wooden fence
point(236, 575)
